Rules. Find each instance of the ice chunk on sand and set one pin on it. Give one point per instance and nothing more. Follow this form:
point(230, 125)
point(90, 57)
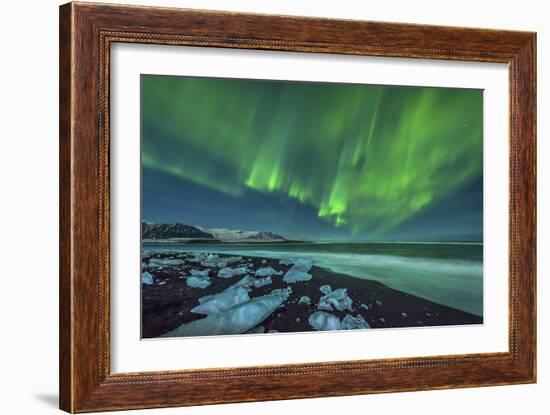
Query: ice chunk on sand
point(232, 259)
point(321, 320)
point(267, 272)
point(147, 278)
point(337, 299)
point(351, 323)
point(199, 257)
point(245, 282)
point(229, 272)
point(260, 282)
point(198, 282)
point(283, 292)
point(304, 300)
point(236, 320)
point(166, 261)
point(213, 260)
point(222, 301)
point(325, 289)
point(299, 271)
point(200, 273)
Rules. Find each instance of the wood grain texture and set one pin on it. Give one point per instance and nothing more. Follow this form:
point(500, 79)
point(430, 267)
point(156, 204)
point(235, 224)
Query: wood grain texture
point(86, 33)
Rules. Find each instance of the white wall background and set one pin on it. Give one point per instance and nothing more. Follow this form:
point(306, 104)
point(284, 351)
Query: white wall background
point(29, 193)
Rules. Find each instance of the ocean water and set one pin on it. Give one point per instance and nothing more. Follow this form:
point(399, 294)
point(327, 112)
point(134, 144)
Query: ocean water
point(445, 273)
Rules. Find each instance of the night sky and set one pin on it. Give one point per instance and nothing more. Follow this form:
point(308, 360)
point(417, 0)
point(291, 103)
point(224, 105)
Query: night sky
point(318, 161)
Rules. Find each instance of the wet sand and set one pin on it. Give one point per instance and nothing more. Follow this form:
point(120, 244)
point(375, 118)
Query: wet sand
point(167, 303)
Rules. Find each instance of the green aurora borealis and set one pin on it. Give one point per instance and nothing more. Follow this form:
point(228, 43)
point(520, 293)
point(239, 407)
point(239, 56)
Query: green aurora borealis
point(337, 160)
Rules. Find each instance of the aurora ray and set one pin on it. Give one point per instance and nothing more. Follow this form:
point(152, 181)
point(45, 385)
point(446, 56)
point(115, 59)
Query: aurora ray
point(362, 159)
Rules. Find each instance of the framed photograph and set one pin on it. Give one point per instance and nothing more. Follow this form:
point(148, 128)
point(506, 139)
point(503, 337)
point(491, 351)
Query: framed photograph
point(259, 207)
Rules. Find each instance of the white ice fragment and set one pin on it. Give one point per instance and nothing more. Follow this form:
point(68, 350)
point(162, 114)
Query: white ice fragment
point(337, 299)
point(323, 321)
point(304, 300)
point(222, 301)
point(260, 282)
point(351, 323)
point(166, 261)
point(378, 302)
point(366, 307)
point(325, 289)
point(299, 271)
point(267, 272)
point(229, 272)
point(147, 279)
point(213, 260)
point(200, 273)
point(232, 259)
point(283, 292)
point(199, 257)
point(236, 320)
point(198, 282)
point(245, 282)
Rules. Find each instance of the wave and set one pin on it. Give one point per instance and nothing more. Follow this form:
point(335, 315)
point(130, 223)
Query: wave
point(456, 282)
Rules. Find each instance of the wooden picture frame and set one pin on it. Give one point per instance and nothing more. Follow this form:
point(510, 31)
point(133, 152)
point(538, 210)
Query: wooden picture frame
point(86, 33)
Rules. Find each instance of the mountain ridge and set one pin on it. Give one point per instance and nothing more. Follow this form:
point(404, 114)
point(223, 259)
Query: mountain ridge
point(180, 231)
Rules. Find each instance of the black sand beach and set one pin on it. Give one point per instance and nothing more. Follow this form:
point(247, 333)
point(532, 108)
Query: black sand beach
point(167, 303)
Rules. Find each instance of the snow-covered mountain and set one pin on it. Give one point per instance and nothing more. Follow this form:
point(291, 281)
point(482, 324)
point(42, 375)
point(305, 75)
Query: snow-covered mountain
point(180, 231)
point(232, 235)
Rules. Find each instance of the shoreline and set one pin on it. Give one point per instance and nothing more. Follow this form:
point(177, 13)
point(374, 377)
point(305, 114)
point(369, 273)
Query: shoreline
point(167, 303)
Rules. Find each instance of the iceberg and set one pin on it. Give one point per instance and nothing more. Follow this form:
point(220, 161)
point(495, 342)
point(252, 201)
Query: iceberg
point(304, 300)
point(147, 279)
point(198, 282)
point(222, 301)
point(322, 321)
point(236, 320)
point(228, 272)
point(284, 292)
point(267, 272)
point(299, 271)
point(200, 273)
point(337, 299)
point(245, 282)
point(351, 323)
point(325, 289)
point(260, 282)
point(213, 260)
point(232, 259)
point(199, 257)
point(166, 261)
